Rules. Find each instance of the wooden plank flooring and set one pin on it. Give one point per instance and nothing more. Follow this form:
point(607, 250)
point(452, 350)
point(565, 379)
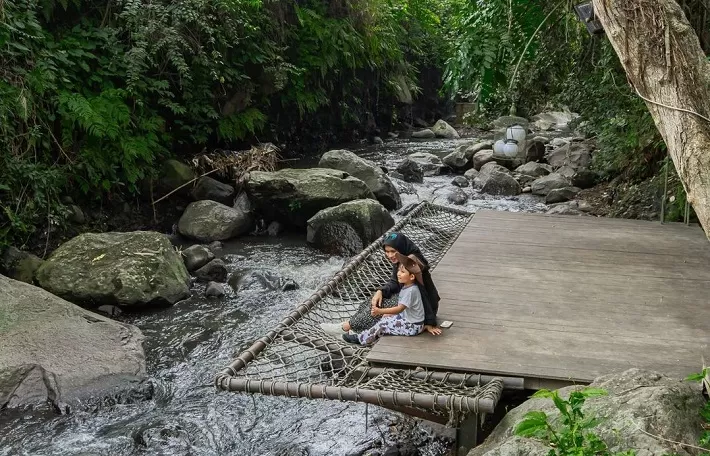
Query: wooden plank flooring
point(566, 299)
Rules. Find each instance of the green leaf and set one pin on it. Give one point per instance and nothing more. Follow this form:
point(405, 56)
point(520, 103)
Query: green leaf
point(533, 424)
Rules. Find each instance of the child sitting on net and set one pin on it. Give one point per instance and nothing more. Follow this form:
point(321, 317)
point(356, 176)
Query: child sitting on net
point(405, 319)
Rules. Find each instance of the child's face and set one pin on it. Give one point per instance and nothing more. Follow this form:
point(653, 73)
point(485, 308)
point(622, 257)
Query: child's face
point(391, 254)
point(403, 276)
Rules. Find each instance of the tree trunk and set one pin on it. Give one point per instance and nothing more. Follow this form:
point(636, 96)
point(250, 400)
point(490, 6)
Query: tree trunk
point(666, 65)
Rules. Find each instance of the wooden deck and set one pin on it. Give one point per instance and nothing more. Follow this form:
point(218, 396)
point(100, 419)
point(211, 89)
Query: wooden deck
point(559, 300)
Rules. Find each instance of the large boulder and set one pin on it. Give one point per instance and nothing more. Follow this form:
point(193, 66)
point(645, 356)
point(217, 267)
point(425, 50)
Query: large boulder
point(368, 219)
point(53, 350)
point(457, 160)
point(173, 175)
point(553, 120)
point(482, 157)
point(127, 269)
point(584, 178)
point(368, 172)
point(196, 256)
point(293, 196)
point(411, 171)
point(535, 149)
point(560, 195)
point(474, 149)
point(643, 410)
point(576, 155)
point(496, 180)
point(534, 169)
point(546, 184)
point(430, 163)
point(207, 188)
point(19, 265)
point(443, 130)
point(208, 221)
point(423, 134)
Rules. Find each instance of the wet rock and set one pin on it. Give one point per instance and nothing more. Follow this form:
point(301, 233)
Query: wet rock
point(128, 269)
point(545, 184)
point(214, 290)
point(461, 181)
point(457, 196)
point(274, 229)
point(207, 188)
point(292, 196)
point(559, 195)
point(584, 178)
point(496, 180)
point(214, 271)
point(196, 256)
point(443, 130)
point(215, 246)
point(45, 343)
point(423, 134)
point(111, 311)
point(576, 155)
point(372, 175)
point(411, 171)
point(534, 169)
point(208, 221)
point(660, 406)
point(481, 158)
point(457, 160)
point(507, 162)
point(471, 174)
point(430, 163)
point(368, 218)
point(260, 280)
point(19, 265)
point(377, 140)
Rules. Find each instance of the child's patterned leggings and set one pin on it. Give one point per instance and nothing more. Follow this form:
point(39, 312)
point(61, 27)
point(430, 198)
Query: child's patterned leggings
point(395, 325)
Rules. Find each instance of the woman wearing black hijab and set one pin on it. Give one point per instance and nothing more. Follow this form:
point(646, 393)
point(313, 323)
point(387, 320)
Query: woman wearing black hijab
point(394, 243)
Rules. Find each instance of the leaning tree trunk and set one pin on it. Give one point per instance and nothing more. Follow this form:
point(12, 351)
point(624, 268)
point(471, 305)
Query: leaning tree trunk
point(666, 66)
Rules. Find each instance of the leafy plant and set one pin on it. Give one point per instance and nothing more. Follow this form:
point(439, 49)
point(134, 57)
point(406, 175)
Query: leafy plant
point(573, 435)
point(704, 378)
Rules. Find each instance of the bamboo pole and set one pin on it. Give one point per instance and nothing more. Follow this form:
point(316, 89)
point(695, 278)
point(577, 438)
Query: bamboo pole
point(377, 397)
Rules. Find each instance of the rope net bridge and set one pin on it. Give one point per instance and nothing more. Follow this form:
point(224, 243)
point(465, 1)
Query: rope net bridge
point(298, 359)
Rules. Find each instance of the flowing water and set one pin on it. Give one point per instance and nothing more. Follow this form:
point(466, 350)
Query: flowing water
point(188, 343)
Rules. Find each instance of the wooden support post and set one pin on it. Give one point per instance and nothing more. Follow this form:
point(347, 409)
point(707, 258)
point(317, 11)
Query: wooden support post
point(467, 435)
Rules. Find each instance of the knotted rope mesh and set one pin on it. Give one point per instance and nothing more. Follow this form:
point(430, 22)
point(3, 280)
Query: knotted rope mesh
point(298, 359)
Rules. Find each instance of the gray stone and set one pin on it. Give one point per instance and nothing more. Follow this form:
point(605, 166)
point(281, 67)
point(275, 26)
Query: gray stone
point(260, 280)
point(174, 174)
point(576, 155)
point(207, 188)
point(559, 142)
point(560, 195)
point(566, 171)
point(443, 130)
point(53, 350)
point(456, 160)
point(215, 246)
point(111, 311)
point(430, 163)
point(637, 401)
point(214, 290)
point(208, 221)
point(474, 149)
point(545, 184)
point(553, 119)
point(377, 140)
point(496, 180)
point(411, 171)
point(535, 149)
point(471, 174)
point(482, 157)
point(507, 162)
point(505, 121)
point(372, 175)
point(534, 169)
point(292, 196)
point(368, 219)
point(461, 181)
point(214, 271)
point(423, 134)
point(127, 269)
point(457, 196)
point(76, 215)
point(563, 209)
point(19, 265)
point(196, 256)
point(242, 203)
point(274, 229)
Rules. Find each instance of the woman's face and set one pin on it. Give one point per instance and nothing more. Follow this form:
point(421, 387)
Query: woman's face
point(391, 254)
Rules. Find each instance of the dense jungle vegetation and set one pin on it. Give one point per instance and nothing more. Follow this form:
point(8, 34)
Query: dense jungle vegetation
point(95, 93)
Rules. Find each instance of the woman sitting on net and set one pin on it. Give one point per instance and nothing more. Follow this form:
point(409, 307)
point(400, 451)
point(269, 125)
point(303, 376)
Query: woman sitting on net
point(393, 244)
point(407, 317)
